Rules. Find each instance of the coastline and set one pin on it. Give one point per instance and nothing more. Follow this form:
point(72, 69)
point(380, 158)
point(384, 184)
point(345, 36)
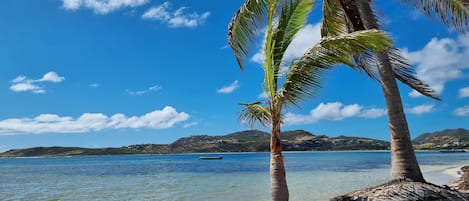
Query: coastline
point(442, 175)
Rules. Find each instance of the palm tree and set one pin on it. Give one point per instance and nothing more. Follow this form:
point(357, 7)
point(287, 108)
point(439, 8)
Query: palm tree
point(283, 19)
point(345, 16)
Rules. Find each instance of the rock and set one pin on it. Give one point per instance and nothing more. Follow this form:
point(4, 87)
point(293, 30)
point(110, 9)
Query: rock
point(404, 190)
point(463, 183)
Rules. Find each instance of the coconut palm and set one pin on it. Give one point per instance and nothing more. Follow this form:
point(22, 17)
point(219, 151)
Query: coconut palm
point(283, 19)
point(345, 16)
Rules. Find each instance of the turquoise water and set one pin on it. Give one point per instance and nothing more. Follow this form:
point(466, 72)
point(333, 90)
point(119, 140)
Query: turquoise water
point(239, 176)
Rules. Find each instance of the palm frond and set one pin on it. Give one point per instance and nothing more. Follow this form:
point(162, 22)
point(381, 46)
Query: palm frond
point(303, 78)
point(292, 18)
point(243, 27)
point(255, 113)
point(406, 74)
point(334, 22)
point(302, 81)
point(366, 63)
point(352, 20)
point(354, 43)
point(453, 13)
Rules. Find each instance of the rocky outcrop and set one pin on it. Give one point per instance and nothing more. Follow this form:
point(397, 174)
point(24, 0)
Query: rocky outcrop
point(462, 184)
point(405, 191)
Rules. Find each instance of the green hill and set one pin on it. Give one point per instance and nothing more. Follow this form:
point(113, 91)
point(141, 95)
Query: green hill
point(243, 141)
point(446, 139)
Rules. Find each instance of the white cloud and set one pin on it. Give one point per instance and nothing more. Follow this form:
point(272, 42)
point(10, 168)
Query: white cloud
point(229, 89)
point(190, 124)
point(19, 87)
point(309, 35)
point(262, 95)
point(101, 6)
point(421, 109)
point(333, 111)
point(141, 92)
point(72, 4)
point(23, 84)
point(462, 111)
point(440, 61)
point(373, 113)
point(52, 123)
point(464, 92)
point(175, 18)
point(51, 77)
point(94, 85)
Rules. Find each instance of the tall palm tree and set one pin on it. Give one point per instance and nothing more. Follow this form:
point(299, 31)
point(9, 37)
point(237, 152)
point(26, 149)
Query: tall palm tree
point(283, 19)
point(345, 16)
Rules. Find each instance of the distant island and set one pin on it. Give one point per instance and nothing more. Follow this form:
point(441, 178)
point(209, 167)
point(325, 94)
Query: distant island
point(255, 141)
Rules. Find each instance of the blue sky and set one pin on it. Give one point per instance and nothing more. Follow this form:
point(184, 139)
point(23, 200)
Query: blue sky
point(97, 73)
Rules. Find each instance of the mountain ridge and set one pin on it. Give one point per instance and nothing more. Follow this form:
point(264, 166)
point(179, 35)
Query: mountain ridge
point(449, 138)
point(242, 141)
point(255, 141)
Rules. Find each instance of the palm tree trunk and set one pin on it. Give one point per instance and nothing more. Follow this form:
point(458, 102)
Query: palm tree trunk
point(404, 164)
point(278, 181)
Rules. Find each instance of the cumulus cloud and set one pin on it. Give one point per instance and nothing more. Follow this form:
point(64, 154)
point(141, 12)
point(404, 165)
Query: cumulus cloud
point(51, 77)
point(175, 18)
point(52, 123)
point(462, 111)
point(309, 35)
point(101, 6)
point(464, 92)
point(421, 109)
point(141, 92)
point(24, 84)
point(333, 112)
point(229, 89)
point(440, 61)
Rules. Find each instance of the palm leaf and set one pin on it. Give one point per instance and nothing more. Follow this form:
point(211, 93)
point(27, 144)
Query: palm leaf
point(367, 61)
point(243, 27)
point(404, 72)
point(292, 18)
point(453, 13)
point(339, 21)
point(255, 113)
point(303, 78)
point(333, 23)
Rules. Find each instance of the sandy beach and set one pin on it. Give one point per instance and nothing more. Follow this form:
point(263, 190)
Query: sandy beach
point(442, 175)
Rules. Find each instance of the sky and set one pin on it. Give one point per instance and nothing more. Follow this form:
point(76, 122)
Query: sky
point(111, 73)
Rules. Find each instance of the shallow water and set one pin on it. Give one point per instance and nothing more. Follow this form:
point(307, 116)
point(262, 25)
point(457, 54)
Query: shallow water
point(239, 176)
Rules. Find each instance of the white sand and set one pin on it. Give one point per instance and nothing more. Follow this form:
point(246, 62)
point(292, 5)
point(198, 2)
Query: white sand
point(442, 175)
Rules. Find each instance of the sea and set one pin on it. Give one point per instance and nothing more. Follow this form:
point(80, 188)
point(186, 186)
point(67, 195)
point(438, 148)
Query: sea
point(183, 177)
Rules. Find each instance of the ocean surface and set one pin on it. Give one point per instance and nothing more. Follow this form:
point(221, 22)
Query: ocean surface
point(239, 176)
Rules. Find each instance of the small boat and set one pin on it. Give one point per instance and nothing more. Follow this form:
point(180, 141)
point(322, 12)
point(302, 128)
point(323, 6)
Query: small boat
point(453, 151)
point(210, 157)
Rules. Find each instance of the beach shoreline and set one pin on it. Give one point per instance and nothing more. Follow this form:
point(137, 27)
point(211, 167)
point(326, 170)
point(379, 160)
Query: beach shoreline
point(442, 175)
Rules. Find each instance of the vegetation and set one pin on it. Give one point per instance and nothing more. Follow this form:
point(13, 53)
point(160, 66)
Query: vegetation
point(345, 16)
point(254, 141)
point(446, 139)
point(283, 20)
point(243, 141)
